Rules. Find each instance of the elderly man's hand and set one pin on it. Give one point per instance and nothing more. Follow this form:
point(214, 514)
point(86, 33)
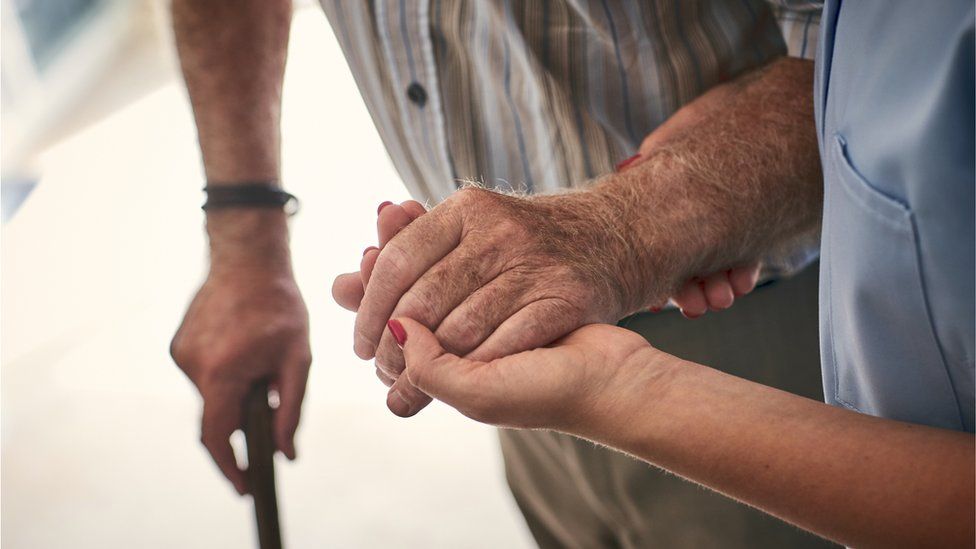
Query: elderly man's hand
point(248, 322)
point(713, 292)
point(494, 275)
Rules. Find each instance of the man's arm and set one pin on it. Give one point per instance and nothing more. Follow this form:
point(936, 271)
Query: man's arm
point(248, 320)
point(732, 176)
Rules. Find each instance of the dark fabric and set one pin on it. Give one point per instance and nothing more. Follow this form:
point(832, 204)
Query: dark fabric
point(574, 493)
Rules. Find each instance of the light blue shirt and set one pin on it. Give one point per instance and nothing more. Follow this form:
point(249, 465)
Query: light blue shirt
point(895, 115)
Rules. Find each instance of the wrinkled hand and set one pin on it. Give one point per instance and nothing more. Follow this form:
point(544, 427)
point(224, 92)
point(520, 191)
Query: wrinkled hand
point(562, 386)
point(240, 328)
point(349, 288)
point(494, 275)
point(715, 292)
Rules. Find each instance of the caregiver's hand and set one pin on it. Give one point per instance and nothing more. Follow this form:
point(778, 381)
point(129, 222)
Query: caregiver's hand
point(716, 291)
point(584, 376)
point(496, 275)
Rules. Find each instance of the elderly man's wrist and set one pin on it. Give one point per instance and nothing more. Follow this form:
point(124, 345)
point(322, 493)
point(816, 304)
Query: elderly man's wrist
point(643, 261)
point(249, 238)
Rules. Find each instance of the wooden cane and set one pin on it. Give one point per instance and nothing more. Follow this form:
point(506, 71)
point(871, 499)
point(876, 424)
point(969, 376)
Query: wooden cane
point(260, 466)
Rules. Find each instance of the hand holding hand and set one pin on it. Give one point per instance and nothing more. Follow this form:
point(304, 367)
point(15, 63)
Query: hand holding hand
point(493, 274)
point(566, 386)
point(715, 292)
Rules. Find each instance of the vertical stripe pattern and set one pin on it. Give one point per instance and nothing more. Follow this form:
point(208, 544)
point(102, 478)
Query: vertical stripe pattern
point(541, 95)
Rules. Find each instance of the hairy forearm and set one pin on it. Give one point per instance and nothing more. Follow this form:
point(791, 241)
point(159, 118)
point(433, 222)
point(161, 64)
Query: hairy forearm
point(859, 480)
point(233, 58)
point(733, 176)
point(232, 53)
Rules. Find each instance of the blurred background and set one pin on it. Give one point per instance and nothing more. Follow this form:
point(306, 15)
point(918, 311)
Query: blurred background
point(102, 248)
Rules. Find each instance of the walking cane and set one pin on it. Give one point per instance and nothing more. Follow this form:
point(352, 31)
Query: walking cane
point(260, 465)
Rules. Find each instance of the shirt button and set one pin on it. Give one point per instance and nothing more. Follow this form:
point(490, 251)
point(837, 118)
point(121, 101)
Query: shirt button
point(417, 94)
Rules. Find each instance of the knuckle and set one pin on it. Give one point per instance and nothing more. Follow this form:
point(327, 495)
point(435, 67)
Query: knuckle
point(463, 335)
point(417, 375)
point(471, 193)
point(175, 350)
point(208, 439)
point(420, 306)
point(390, 370)
point(391, 266)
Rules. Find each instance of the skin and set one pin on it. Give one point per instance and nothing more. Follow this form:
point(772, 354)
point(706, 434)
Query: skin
point(232, 54)
point(715, 292)
point(495, 275)
point(858, 480)
point(248, 320)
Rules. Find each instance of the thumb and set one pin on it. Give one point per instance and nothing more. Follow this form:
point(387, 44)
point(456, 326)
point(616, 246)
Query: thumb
point(429, 367)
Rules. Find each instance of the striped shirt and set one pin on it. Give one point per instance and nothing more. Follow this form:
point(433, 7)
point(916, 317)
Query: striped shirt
point(543, 95)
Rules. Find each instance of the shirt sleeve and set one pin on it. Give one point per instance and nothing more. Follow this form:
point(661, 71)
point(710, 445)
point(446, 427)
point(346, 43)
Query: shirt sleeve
point(799, 21)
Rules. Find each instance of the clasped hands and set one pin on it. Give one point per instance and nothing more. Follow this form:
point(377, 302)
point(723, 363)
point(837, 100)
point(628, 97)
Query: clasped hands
point(503, 306)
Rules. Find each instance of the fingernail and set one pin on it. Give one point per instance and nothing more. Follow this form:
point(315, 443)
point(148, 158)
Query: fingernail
point(655, 309)
point(689, 316)
point(366, 251)
point(399, 334)
point(383, 205)
point(624, 163)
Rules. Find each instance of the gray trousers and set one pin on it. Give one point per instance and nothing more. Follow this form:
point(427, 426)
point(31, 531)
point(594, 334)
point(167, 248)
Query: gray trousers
point(576, 494)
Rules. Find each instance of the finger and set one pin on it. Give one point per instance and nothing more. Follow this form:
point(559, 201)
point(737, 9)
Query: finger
point(418, 247)
point(439, 291)
point(691, 299)
point(404, 399)
point(366, 266)
point(432, 369)
point(413, 208)
point(743, 279)
point(221, 417)
point(470, 323)
point(390, 221)
point(535, 325)
point(718, 291)
point(347, 290)
point(387, 380)
point(291, 382)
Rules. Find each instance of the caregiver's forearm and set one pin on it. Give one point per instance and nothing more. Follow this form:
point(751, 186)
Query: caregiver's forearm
point(731, 177)
point(859, 480)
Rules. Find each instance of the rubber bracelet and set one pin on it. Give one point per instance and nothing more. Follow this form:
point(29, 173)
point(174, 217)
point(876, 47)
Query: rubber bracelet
point(250, 195)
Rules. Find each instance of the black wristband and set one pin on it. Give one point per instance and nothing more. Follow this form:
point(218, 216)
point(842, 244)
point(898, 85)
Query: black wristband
point(249, 195)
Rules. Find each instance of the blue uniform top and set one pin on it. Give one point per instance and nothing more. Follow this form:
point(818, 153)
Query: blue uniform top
point(894, 107)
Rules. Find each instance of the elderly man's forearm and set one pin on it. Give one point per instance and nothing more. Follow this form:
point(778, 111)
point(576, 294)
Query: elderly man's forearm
point(233, 58)
point(736, 176)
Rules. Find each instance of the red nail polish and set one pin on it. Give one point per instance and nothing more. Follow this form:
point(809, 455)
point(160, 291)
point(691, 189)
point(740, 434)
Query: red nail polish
point(623, 164)
point(366, 251)
point(383, 205)
point(655, 309)
point(399, 334)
